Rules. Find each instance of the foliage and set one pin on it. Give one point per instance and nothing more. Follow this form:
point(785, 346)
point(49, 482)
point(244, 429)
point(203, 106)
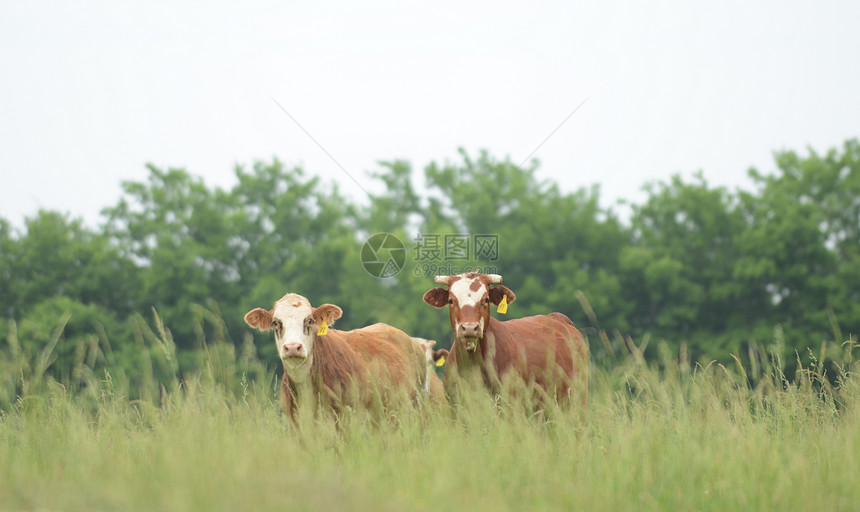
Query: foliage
point(713, 270)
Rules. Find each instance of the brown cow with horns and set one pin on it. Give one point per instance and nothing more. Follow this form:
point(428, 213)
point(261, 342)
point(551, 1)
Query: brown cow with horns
point(545, 349)
point(342, 367)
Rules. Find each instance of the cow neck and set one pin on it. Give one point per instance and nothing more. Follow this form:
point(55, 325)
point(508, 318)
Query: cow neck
point(467, 365)
point(299, 373)
point(489, 329)
point(488, 349)
point(298, 379)
point(335, 360)
point(477, 364)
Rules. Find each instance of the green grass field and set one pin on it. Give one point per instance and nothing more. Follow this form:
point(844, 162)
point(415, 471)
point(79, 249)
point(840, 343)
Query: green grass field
point(668, 436)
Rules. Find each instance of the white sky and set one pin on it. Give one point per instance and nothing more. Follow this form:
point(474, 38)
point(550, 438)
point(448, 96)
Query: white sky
point(91, 91)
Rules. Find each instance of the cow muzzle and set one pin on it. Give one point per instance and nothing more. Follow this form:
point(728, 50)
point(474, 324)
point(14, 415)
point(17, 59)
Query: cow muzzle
point(470, 330)
point(469, 333)
point(293, 350)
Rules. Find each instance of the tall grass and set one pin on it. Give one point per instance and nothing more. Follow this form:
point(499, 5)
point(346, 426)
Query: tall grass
point(672, 435)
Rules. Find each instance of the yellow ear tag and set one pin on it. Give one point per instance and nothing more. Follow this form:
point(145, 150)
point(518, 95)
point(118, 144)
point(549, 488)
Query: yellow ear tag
point(503, 306)
point(440, 361)
point(323, 330)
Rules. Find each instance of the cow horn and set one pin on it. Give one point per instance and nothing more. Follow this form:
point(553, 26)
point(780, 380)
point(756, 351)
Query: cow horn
point(442, 279)
point(495, 278)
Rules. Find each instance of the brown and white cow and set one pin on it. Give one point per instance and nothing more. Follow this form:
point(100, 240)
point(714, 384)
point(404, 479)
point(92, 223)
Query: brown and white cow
point(545, 349)
point(339, 367)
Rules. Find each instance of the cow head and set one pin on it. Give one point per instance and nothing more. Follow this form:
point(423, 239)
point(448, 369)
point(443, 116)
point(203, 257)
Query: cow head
point(295, 324)
point(468, 298)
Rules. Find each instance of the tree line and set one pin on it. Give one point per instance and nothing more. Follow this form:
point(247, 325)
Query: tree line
point(713, 272)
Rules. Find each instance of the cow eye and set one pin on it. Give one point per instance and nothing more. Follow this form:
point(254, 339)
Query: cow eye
point(487, 300)
point(450, 301)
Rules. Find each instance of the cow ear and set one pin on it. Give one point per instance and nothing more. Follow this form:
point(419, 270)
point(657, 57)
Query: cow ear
point(439, 354)
point(497, 292)
point(327, 312)
point(437, 297)
point(259, 318)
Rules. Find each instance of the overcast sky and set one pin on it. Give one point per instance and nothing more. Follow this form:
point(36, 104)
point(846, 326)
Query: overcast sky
point(91, 91)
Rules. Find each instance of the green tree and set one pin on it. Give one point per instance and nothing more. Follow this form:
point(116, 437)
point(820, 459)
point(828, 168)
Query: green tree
point(61, 257)
point(551, 244)
point(805, 228)
point(297, 236)
point(175, 228)
point(75, 334)
point(679, 269)
point(8, 252)
point(274, 232)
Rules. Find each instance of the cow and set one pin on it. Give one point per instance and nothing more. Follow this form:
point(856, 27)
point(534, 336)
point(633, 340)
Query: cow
point(432, 383)
point(547, 350)
point(340, 368)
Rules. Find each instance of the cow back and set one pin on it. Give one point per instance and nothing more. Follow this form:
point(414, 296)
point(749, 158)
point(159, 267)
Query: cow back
point(389, 354)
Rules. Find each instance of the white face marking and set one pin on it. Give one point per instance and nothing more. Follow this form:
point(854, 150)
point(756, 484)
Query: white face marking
point(465, 296)
point(462, 290)
point(292, 311)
